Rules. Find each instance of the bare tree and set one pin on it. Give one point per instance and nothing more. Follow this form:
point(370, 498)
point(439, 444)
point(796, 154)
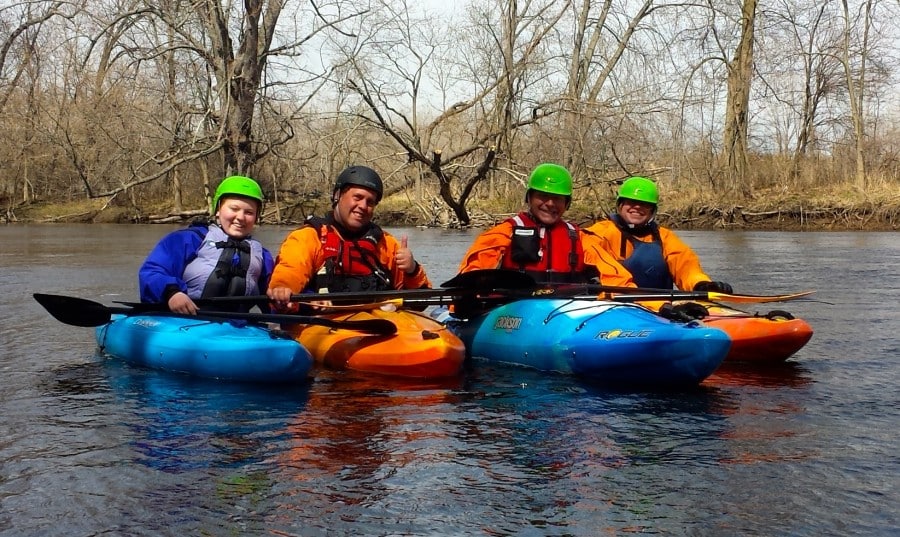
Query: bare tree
point(21, 27)
point(487, 115)
point(740, 71)
point(855, 72)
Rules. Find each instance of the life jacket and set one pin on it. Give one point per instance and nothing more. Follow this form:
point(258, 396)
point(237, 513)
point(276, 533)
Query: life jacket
point(223, 266)
point(351, 264)
point(547, 254)
point(647, 262)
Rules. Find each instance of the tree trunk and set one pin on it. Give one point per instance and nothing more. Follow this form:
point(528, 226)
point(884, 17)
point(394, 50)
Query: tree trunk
point(177, 204)
point(740, 71)
point(239, 74)
point(855, 86)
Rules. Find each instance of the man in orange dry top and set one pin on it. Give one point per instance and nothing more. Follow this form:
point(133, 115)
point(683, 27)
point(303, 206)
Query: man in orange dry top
point(540, 243)
point(345, 251)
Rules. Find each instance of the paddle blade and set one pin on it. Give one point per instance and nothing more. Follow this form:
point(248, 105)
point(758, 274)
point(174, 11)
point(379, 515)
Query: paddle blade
point(487, 279)
point(378, 327)
point(757, 299)
point(74, 311)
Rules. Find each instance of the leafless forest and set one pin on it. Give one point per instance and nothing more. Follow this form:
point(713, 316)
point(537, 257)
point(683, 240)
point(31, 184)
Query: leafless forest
point(133, 110)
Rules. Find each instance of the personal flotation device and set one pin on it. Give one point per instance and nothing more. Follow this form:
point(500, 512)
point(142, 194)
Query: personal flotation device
point(351, 260)
point(647, 262)
point(223, 266)
point(548, 254)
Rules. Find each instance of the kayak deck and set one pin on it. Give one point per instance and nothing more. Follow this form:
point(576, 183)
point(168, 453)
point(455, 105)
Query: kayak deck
point(203, 348)
point(421, 348)
point(612, 342)
point(768, 338)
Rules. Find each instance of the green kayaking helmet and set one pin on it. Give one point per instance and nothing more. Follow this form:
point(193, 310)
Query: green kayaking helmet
point(552, 179)
point(238, 185)
point(359, 176)
point(639, 189)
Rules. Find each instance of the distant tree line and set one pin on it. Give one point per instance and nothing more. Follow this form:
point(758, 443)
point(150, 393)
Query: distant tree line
point(148, 104)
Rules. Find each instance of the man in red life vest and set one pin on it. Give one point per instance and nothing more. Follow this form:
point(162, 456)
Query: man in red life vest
point(345, 250)
point(539, 242)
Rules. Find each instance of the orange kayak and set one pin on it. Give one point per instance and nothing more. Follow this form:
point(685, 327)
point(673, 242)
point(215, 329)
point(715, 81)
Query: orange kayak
point(421, 348)
point(770, 337)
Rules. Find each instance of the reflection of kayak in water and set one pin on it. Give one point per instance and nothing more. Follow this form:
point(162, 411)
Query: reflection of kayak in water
point(355, 424)
point(177, 423)
point(421, 348)
point(769, 337)
point(204, 348)
point(772, 375)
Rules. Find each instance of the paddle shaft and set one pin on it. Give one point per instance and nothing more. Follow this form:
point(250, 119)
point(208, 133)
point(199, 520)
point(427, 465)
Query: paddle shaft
point(82, 312)
point(513, 284)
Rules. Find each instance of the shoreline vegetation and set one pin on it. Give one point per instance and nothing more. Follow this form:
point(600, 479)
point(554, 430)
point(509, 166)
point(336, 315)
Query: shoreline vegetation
point(836, 211)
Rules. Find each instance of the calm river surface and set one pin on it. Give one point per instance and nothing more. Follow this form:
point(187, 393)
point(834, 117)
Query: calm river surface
point(89, 446)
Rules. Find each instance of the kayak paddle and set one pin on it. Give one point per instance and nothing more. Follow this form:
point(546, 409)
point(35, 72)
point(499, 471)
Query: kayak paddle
point(638, 294)
point(465, 284)
point(86, 313)
point(499, 280)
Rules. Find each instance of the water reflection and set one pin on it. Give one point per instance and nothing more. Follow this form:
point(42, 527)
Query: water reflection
point(354, 423)
point(802, 448)
point(765, 375)
point(364, 447)
point(179, 423)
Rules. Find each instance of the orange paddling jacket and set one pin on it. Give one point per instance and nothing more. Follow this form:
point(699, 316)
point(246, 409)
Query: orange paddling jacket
point(683, 265)
point(317, 255)
point(561, 253)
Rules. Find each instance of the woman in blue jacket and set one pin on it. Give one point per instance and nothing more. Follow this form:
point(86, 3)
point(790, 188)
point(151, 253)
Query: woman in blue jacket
point(211, 259)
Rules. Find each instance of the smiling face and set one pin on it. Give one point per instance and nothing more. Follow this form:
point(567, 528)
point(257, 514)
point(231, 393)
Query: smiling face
point(545, 207)
point(237, 216)
point(635, 213)
point(355, 207)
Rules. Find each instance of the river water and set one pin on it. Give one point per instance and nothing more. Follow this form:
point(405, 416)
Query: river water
point(89, 446)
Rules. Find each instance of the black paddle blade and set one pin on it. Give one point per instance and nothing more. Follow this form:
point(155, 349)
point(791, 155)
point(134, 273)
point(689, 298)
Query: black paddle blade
point(488, 279)
point(74, 311)
point(378, 327)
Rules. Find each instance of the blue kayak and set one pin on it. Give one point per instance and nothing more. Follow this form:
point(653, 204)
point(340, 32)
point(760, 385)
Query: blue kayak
point(612, 342)
point(205, 348)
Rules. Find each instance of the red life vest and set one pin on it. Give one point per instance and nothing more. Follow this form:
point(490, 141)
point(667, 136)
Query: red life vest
point(547, 254)
point(350, 264)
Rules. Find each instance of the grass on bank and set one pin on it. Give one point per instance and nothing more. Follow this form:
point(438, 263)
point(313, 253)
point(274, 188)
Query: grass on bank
point(841, 207)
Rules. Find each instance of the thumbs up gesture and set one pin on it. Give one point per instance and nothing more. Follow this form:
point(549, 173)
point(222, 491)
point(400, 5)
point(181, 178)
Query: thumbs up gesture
point(404, 257)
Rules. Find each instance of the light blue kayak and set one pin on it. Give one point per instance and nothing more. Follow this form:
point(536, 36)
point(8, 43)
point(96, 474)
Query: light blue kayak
point(204, 348)
point(613, 342)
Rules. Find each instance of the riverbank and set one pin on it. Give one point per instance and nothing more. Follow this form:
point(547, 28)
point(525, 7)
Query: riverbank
point(826, 213)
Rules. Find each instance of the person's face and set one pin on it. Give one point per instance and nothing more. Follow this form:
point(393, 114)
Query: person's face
point(547, 208)
point(355, 207)
point(237, 216)
point(635, 212)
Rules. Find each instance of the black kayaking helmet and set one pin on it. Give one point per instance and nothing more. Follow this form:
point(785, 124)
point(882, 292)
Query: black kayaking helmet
point(359, 176)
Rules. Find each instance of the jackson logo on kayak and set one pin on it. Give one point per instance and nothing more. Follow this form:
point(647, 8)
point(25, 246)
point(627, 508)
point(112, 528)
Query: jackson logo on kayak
point(620, 334)
point(508, 323)
point(146, 323)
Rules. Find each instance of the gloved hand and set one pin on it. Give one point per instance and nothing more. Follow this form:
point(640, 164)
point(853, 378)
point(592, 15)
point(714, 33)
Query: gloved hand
point(719, 287)
point(683, 313)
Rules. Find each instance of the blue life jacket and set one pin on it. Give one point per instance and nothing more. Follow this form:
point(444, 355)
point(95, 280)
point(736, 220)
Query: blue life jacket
point(647, 262)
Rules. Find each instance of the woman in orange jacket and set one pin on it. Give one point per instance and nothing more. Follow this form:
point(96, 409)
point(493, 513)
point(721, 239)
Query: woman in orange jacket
point(655, 255)
point(345, 250)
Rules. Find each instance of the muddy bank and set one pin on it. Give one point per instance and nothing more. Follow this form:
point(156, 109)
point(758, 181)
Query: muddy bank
point(695, 216)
